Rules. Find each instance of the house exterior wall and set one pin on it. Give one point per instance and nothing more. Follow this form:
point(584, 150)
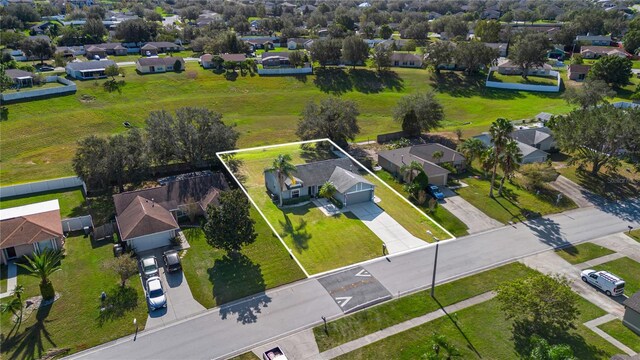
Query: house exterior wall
point(438, 179)
point(408, 64)
point(152, 241)
point(28, 249)
point(533, 158)
point(547, 144)
point(388, 166)
point(631, 319)
point(576, 76)
point(147, 69)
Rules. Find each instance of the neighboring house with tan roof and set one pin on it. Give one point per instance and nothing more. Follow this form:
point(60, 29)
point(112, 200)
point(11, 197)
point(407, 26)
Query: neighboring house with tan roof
point(593, 52)
point(393, 161)
point(30, 228)
point(158, 65)
point(578, 72)
point(148, 218)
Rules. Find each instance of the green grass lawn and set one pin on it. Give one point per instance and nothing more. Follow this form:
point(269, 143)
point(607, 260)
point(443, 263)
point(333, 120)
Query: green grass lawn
point(408, 307)
point(75, 320)
point(71, 201)
point(516, 204)
point(622, 333)
point(481, 327)
point(3, 278)
point(245, 356)
point(583, 252)
point(517, 79)
point(215, 278)
point(43, 138)
point(441, 215)
point(323, 242)
point(635, 234)
point(628, 270)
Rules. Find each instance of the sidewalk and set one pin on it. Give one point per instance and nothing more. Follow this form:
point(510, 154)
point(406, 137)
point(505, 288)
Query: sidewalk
point(12, 279)
point(593, 326)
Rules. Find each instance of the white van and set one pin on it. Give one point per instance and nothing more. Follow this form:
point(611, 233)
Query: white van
point(605, 281)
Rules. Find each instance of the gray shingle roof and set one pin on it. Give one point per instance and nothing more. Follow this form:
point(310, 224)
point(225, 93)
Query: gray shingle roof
point(531, 136)
point(319, 172)
point(403, 156)
point(343, 179)
point(159, 61)
point(633, 302)
point(525, 149)
point(90, 65)
point(17, 73)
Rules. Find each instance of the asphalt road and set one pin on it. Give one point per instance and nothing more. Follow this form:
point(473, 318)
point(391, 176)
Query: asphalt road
point(242, 325)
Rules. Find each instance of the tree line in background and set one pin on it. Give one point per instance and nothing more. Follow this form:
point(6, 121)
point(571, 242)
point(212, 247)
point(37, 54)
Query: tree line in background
point(191, 136)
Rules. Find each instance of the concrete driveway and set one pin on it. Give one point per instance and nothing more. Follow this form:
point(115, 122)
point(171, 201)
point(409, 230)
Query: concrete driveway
point(475, 219)
point(385, 227)
point(575, 192)
point(180, 301)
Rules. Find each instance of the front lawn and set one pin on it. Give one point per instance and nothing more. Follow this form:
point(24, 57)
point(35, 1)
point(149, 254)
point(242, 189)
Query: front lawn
point(622, 333)
point(71, 201)
point(635, 234)
point(628, 270)
point(408, 307)
point(583, 252)
point(517, 79)
point(516, 204)
point(480, 331)
point(75, 320)
point(625, 183)
point(441, 215)
point(31, 154)
point(215, 278)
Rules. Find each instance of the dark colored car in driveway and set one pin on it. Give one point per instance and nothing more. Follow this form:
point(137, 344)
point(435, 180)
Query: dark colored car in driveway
point(171, 261)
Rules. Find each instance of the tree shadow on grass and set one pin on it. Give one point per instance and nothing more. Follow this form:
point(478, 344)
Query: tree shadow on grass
point(332, 81)
point(302, 78)
point(298, 232)
point(454, 321)
point(30, 344)
point(371, 82)
point(236, 276)
point(613, 194)
point(120, 300)
point(457, 84)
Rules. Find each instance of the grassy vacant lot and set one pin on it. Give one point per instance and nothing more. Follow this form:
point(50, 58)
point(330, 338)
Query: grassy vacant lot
point(516, 204)
point(482, 331)
point(405, 308)
point(440, 214)
point(75, 320)
point(628, 270)
point(71, 201)
point(622, 333)
point(323, 242)
point(635, 234)
point(517, 79)
point(583, 252)
point(215, 278)
point(625, 183)
point(43, 133)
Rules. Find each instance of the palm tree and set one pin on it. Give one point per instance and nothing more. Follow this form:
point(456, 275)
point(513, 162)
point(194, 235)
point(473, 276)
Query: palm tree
point(509, 160)
point(408, 169)
point(499, 130)
point(437, 155)
point(471, 149)
point(13, 306)
point(442, 349)
point(487, 159)
point(283, 168)
point(327, 190)
point(42, 265)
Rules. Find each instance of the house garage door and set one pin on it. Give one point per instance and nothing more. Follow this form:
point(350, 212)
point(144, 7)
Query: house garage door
point(438, 180)
point(152, 241)
point(358, 197)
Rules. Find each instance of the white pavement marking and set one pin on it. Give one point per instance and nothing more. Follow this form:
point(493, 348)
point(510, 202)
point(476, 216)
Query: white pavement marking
point(363, 273)
point(593, 326)
point(343, 300)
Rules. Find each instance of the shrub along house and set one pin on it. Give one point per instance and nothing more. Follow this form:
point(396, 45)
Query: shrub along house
point(159, 65)
point(30, 228)
point(148, 218)
point(306, 181)
point(393, 161)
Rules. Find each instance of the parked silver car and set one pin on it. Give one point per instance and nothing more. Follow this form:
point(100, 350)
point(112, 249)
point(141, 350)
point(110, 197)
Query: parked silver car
point(149, 266)
point(155, 294)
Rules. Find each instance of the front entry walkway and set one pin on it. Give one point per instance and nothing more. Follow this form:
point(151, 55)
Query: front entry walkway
point(385, 227)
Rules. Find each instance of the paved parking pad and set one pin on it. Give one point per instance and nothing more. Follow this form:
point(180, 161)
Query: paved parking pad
point(354, 289)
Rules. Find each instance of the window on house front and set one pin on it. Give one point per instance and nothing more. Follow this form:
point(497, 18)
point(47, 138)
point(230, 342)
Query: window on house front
point(295, 193)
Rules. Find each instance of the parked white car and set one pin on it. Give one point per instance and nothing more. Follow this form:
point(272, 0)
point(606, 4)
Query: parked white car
point(155, 294)
point(605, 281)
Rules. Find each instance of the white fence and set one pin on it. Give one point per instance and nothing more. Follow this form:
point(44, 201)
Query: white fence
point(42, 186)
point(525, 87)
point(69, 88)
point(77, 223)
point(286, 71)
point(625, 105)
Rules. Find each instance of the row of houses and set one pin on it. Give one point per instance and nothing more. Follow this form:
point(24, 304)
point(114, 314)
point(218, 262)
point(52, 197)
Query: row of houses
point(95, 69)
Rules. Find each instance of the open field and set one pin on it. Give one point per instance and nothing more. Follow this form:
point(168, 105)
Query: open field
point(467, 330)
point(40, 136)
point(516, 204)
point(75, 320)
point(408, 307)
point(583, 252)
point(317, 240)
point(628, 270)
point(71, 201)
point(215, 278)
point(622, 333)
